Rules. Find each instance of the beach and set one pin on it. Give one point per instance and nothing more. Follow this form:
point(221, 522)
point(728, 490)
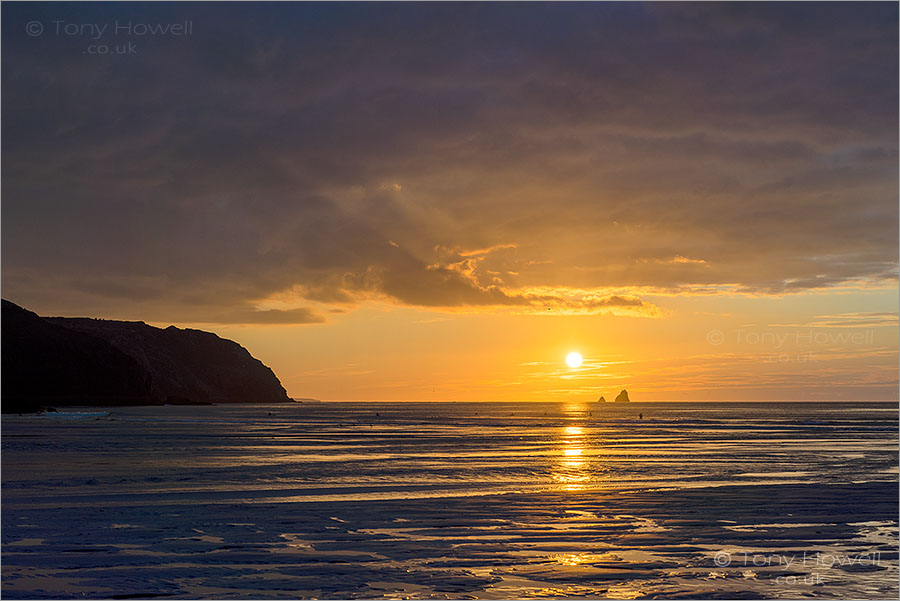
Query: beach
point(446, 500)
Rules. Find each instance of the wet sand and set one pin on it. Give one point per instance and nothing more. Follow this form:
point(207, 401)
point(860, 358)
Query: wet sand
point(89, 514)
point(789, 541)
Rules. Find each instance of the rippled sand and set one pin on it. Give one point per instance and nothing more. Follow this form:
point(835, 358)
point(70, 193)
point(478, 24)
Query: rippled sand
point(431, 501)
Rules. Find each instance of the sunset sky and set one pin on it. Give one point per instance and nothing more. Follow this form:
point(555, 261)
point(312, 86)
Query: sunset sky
point(441, 201)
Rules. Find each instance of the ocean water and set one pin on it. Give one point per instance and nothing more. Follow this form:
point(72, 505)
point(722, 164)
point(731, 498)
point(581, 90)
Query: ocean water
point(453, 500)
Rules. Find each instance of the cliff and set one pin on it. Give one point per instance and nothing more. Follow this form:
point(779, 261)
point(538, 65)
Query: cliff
point(48, 364)
point(77, 361)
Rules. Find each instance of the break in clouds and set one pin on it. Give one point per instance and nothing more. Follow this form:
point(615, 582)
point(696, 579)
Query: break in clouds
point(287, 161)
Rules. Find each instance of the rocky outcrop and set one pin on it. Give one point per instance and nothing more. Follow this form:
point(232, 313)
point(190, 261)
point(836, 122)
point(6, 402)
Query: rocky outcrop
point(61, 361)
point(601, 399)
point(623, 397)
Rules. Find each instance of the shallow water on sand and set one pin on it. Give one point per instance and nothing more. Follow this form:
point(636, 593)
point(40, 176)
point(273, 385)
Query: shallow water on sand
point(453, 500)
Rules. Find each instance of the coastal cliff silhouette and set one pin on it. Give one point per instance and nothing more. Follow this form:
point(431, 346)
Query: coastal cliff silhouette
point(79, 361)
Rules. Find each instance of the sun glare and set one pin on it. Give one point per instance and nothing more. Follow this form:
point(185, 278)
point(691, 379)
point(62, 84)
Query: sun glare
point(573, 360)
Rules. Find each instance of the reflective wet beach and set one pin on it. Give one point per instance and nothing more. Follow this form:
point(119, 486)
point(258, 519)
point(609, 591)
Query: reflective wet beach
point(444, 500)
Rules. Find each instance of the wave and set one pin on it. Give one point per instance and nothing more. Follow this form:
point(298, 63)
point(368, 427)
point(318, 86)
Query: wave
point(74, 414)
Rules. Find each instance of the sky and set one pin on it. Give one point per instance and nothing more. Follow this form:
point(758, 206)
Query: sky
point(440, 201)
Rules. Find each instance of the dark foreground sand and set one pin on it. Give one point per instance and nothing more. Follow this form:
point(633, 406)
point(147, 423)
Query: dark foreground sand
point(784, 541)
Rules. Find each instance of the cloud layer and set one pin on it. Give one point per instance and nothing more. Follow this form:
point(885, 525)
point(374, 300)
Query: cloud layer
point(302, 158)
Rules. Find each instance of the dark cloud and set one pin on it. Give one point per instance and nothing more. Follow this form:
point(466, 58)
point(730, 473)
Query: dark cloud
point(344, 152)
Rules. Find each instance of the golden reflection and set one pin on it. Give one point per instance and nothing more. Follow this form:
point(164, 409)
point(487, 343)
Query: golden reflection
point(571, 559)
point(577, 559)
point(571, 472)
point(575, 410)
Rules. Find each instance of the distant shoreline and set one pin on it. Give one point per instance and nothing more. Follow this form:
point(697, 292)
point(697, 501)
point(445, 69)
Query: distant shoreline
point(608, 403)
point(50, 407)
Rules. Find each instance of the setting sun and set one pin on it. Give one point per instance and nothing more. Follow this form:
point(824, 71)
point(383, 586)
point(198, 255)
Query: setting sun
point(573, 360)
point(315, 279)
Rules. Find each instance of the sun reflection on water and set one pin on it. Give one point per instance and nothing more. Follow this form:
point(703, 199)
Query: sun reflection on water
point(571, 469)
point(572, 559)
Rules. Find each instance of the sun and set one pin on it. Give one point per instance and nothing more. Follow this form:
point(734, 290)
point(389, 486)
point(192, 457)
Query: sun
point(573, 360)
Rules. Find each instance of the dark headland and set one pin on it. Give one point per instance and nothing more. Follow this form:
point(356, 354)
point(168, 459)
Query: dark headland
point(60, 361)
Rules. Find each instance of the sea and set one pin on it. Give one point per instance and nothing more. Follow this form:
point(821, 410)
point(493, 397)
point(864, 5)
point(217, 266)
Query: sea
point(452, 500)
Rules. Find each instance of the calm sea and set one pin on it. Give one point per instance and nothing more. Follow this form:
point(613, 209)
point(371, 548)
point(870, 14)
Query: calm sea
point(451, 500)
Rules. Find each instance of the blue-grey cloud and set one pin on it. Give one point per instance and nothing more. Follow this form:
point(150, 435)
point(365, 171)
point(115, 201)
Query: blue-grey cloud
point(337, 148)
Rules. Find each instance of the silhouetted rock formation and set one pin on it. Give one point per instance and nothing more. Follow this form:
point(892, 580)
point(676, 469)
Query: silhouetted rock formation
point(623, 397)
point(46, 364)
point(76, 361)
point(601, 399)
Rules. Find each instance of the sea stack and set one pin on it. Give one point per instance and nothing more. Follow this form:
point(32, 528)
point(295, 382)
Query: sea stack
point(623, 397)
point(601, 399)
